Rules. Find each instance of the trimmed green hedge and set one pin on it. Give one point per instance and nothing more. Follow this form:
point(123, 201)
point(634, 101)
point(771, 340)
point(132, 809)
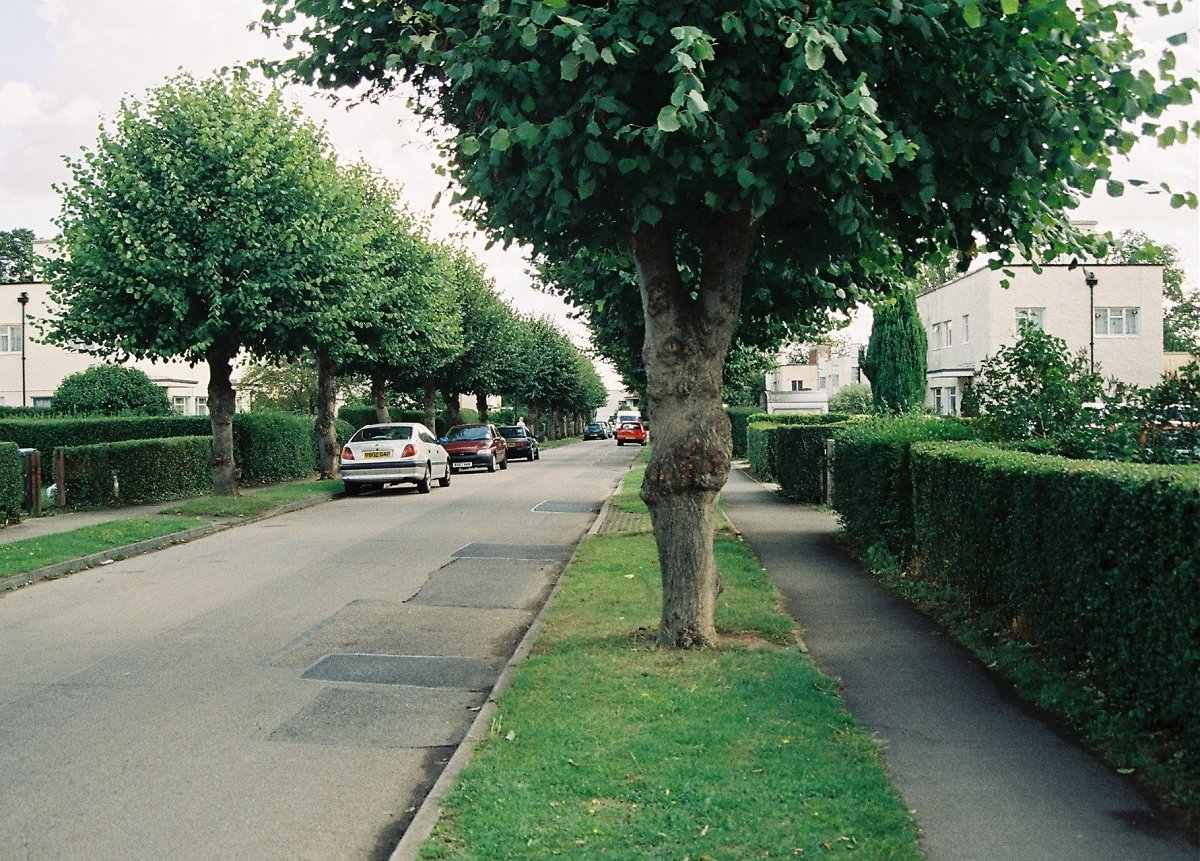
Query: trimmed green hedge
point(12, 487)
point(762, 445)
point(739, 418)
point(273, 446)
point(800, 460)
point(134, 471)
point(799, 418)
point(872, 487)
point(1097, 563)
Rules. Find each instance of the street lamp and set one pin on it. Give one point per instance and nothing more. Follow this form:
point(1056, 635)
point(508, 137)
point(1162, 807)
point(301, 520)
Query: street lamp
point(1090, 279)
point(24, 300)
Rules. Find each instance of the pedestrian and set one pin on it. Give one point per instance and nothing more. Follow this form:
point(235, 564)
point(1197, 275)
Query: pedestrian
point(521, 423)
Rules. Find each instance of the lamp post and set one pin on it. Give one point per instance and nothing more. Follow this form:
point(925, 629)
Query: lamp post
point(1090, 279)
point(24, 300)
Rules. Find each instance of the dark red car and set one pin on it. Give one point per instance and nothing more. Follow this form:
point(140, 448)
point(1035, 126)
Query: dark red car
point(475, 445)
point(632, 432)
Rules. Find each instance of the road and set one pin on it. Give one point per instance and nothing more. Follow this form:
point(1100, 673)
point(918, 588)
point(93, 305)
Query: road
point(288, 689)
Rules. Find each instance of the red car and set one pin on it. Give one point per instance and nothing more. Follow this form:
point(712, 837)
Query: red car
point(475, 445)
point(632, 432)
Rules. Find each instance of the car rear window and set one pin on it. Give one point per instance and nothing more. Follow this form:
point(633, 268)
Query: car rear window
point(388, 432)
point(512, 432)
point(467, 433)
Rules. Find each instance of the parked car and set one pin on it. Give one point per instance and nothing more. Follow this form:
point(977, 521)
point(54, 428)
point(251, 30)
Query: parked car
point(595, 430)
point(476, 445)
point(520, 442)
point(399, 453)
point(632, 432)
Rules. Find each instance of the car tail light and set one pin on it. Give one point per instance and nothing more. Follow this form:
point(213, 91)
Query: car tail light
point(347, 454)
point(410, 450)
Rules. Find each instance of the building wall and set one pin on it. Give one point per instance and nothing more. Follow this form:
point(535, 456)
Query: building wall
point(1062, 295)
point(828, 369)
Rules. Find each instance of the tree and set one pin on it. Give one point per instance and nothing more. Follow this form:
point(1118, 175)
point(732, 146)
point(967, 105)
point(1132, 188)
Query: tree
point(745, 375)
point(716, 148)
point(16, 256)
point(1034, 389)
point(1181, 313)
point(204, 223)
point(896, 356)
point(110, 390)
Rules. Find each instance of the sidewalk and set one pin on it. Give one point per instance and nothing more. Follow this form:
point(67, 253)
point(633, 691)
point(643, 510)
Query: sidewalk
point(66, 520)
point(988, 781)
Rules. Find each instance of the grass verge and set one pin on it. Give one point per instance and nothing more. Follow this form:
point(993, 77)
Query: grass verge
point(606, 748)
point(255, 500)
point(29, 554)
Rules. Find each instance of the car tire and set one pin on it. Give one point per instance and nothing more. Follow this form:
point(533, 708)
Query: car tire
point(444, 481)
point(424, 485)
point(504, 463)
point(352, 488)
point(620, 442)
point(491, 467)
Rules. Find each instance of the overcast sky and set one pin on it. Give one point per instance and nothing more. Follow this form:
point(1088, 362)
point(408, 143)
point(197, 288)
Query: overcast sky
point(66, 63)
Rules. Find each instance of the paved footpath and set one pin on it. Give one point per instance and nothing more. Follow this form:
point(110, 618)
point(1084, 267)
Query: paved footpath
point(987, 780)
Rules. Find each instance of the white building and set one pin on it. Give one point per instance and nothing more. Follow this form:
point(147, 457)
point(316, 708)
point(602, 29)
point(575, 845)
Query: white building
point(1117, 321)
point(806, 387)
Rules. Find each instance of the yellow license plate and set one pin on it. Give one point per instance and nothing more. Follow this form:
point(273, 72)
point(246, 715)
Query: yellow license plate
point(370, 454)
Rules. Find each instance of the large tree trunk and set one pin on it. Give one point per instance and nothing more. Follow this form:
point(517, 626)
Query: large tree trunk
point(430, 391)
point(379, 397)
point(684, 354)
point(453, 408)
point(481, 406)
point(325, 426)
point(222, 402)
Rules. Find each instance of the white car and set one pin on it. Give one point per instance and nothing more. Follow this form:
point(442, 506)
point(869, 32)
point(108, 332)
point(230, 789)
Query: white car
point(399, 453)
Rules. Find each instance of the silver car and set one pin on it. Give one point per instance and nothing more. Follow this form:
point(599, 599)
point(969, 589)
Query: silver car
point(399, 453)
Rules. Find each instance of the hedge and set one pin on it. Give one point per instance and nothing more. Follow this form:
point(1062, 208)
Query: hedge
point(134, 471)
point(798, 418)
point(872, 488)
point(800, 460)
point(1097, 563)
point(273, 446)
point(762, 444)
point(739, 418)
point(12, 487)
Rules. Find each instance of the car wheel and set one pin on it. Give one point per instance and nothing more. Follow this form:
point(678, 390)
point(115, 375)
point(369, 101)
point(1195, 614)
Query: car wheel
point(424, 486)
point(620, 442)
point(504, 463)
point(444, 481)
point(352, 488)
point(491, 467)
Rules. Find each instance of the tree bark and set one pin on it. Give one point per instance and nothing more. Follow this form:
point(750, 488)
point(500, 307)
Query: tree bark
point(453, 408)
point(222, 402)
point(379, 397)
point(325, 426)
point(684, 353)
point(430, 405)
point(481, 406)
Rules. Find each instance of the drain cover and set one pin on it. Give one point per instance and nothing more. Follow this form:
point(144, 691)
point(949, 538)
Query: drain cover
point(556, 506)
point(513, 551)
point(425, 671)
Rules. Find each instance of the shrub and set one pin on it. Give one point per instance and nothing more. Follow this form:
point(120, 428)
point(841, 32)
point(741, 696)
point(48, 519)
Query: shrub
point(273, 446)
point(799, 418)
point(872, 488)
point(739, 417)
point(799, 466)
point(761, 446)
point(357, 415)
point(12, 487)
point(110, 390)
point(855, 399)
point(149, 470)
point(1096, 564)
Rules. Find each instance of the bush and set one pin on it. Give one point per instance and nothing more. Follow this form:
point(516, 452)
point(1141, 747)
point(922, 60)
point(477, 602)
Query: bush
point(799, 418)
point(739, 417)
point(110, 390)
point(761, 449)
point(1095, 564)
point(126, 473)
point(12, 486)
point(799, 466)
point(273, 446)
point(358, 415)
point(855, 399)
point(872, 487)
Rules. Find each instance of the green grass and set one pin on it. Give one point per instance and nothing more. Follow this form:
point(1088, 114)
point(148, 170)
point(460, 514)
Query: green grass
point(606, 748)
point(254, 500)
point(29, 554)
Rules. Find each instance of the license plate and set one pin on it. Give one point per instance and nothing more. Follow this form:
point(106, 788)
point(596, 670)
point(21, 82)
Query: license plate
point(371, 454)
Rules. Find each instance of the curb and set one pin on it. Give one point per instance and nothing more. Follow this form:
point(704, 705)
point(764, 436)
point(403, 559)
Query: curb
point(430, 811)
point(113, 554)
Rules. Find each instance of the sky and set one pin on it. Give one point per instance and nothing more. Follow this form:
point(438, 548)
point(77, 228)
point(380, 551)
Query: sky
point(66, 64)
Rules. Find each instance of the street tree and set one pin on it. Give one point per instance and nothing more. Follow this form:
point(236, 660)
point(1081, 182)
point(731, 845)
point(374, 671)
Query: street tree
point(708, 141)
point(110, 390)
point(16, 256)
point(197, 228)
point(895, 358)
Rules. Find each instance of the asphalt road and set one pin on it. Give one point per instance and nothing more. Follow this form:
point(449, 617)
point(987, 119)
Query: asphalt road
point(288, 689)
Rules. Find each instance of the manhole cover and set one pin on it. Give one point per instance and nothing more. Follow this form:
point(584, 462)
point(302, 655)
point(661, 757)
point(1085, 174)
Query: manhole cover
point(555, 506)
point(512, 551)
point(423, 671)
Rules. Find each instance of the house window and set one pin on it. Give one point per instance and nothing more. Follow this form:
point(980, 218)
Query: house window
point(937, 399)
point(201, 406)
point(856, 375)
point(966, 329)
point(1116, 322)
point(179, 404)
point(820, 382)
point(836, 382)
point(44, 401)
point(1035, 317)
point(939, 336)
point(10, 339)
point(951, 401)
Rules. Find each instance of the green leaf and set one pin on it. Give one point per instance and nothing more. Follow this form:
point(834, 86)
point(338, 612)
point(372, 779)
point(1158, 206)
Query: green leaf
point(569, 68)
point(1115, 188)
point(973, 15)
point(469, 146)
point(500, 140)
point(1178, 39)
point(814, 54)
point(668, 119)
point(1010, 7)
point(697, 105)
point(745, 178)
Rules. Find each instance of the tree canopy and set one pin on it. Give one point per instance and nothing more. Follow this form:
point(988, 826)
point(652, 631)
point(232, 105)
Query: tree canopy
point(896, 356)
point(16, 256)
